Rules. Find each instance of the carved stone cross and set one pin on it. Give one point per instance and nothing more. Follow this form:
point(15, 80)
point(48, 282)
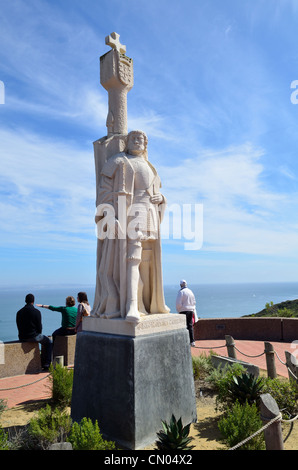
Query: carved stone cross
point(116, 76)
point(113, 41)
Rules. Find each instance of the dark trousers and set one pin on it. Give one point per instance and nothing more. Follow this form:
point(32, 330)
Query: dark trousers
point(63, 332)
point(189, 324)
point(46, 348)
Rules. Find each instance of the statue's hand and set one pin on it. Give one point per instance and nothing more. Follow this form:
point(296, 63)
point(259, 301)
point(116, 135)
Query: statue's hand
point(156, 198)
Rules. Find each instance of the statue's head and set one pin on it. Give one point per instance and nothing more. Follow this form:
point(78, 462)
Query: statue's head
point(137, 142)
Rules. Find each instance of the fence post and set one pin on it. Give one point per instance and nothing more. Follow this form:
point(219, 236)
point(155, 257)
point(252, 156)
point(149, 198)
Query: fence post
point(59, 360)
point(270, 360)
point(230, 346)
point(292, 365)
point(273, 433)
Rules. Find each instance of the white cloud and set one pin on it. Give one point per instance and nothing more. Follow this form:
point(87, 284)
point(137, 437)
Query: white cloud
point(241, 214)
point(48, 196)
point(284, 170)
point(88, 109)
point(47, 191)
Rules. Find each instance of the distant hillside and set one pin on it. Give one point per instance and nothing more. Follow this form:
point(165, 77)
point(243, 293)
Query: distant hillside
point(289, 308)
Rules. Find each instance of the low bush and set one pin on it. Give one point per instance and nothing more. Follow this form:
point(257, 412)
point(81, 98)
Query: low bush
point(86, 436)
point(241, 422)
point(221, 379)
point(202, 366)
point(3, 405)
point(51, 425)
point(4, 443)
point(285, 393)
point(61, 383)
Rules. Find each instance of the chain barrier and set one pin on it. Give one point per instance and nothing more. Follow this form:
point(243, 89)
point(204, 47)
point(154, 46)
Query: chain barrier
point(31, 383)
point(258, 355)
point(24, 385)
point(284, 363)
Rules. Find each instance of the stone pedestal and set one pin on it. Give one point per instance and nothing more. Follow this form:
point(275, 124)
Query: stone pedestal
point(130, 377)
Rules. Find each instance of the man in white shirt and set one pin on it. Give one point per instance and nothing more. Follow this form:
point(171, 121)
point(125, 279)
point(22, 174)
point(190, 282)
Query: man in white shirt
point(186, 304)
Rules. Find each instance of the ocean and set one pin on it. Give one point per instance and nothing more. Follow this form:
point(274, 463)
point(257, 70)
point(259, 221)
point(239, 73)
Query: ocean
point(213, 301)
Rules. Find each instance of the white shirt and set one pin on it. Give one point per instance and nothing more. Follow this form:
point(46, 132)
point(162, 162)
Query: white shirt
point(185, 300)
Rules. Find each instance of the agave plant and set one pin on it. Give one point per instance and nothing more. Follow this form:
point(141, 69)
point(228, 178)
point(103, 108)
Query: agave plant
point(246, 388)
point(174, 436)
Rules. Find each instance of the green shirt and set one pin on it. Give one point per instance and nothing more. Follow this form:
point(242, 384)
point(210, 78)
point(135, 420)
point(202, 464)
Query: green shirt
point(69, 315)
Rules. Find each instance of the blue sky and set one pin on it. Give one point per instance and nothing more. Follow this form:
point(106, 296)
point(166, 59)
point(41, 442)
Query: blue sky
point(212, 90)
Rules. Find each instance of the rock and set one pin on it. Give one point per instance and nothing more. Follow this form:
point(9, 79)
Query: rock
point(61, 446)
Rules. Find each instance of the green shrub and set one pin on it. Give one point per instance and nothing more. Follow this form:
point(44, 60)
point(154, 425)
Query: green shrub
point(4, 444)
point(86, 436)
point(284, 392)
point(50, 426)
point(3, 405)
point(221, 378)
point(61, 382)
point(201, 366)
point(285, 313)
point(241, 422)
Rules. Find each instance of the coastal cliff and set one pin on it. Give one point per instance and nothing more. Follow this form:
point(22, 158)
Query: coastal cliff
point(288, 308)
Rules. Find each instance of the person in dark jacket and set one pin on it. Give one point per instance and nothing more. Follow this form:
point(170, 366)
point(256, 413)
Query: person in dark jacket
point(30, 330)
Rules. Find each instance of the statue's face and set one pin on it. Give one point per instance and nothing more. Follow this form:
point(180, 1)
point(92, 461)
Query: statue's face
point(136, 144)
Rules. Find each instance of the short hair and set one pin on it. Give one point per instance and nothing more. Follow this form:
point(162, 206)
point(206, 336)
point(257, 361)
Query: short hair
point(70, 301)
point(29, 299)
point(82, 296)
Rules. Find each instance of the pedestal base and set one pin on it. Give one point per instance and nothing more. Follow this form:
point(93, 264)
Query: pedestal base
point(129, 384)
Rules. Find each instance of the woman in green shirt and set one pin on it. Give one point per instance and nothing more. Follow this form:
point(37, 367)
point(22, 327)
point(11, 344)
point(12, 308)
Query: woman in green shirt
point(69, 315)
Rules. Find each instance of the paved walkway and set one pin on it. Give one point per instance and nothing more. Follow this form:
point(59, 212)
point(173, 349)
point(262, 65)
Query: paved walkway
point(26, 388)
point(31, 387)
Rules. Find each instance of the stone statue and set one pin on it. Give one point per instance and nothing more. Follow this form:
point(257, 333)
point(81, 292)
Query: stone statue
point(129, 204)
point(129, 272)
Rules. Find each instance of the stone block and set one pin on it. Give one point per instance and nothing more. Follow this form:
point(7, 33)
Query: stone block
point(65, 346)
point(222, 361)
point(61, 446)
point(150, 324)
point(129, 384)
point(19, 358)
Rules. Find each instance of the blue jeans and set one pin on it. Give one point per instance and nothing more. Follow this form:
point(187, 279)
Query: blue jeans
point(46, 350)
